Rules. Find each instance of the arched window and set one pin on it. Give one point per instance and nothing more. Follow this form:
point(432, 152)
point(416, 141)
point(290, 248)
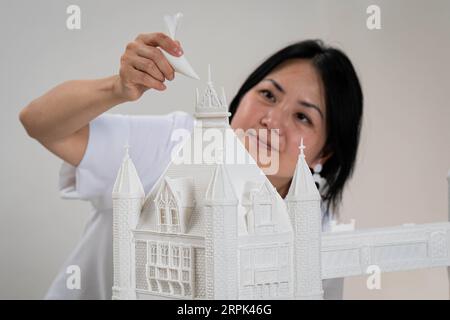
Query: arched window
point(174, 219)
point(168, 213)
point(163, 216)
point(164, 249)
point(175, 256)
point(174, 215)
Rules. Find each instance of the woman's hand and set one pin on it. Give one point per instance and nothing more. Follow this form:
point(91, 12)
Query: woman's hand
point(143, 66)
point(60, 118)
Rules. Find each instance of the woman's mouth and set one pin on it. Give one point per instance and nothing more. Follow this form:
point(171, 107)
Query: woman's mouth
point(264, 139)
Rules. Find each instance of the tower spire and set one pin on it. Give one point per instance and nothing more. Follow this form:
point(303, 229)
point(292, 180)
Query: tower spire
point(220, 188)
point(128, 183)
point(210, 109)
point(302, 148)
point(302, 185)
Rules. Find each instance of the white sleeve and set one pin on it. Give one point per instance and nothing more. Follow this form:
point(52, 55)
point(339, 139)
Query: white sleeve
point(108, 134)
point(149, 138)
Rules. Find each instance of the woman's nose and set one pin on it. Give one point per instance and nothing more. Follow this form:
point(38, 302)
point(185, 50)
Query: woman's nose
point(274, 119)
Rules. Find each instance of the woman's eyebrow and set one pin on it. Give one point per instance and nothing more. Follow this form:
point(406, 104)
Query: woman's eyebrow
point(301, 102)
point(276, 84)
point(310, 105)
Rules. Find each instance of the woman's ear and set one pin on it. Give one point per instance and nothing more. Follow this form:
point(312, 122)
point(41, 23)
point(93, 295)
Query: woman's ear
point(322, 159)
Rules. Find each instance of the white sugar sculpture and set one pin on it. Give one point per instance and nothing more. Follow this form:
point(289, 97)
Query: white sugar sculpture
point(221, 231)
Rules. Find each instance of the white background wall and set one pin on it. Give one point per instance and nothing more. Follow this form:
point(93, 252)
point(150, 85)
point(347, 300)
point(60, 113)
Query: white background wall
point(404, 69)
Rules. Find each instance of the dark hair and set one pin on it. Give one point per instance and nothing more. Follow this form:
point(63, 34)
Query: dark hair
point(344, 108)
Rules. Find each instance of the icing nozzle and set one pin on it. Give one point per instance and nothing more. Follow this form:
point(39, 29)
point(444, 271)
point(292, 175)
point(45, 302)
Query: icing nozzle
point(179, 64)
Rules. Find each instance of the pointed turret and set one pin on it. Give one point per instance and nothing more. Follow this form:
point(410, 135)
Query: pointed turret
point(128, 184)
point(220, 189)
point(221, 235)
point(303, 202)
point(128, 195)
point(211, 110)
point(303, 186)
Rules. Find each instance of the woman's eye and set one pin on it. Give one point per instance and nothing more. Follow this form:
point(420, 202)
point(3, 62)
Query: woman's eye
point(302, 117)
point(268, 95)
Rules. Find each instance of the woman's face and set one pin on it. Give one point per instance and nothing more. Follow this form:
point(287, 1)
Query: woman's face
point(290, 99)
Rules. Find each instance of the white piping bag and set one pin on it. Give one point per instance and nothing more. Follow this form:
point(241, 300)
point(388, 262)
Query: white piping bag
point(179, 64)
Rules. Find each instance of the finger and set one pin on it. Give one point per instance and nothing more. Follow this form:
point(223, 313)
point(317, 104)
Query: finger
point(162, 40)
point(156, 56)
point(148, 66)
point(146, 80)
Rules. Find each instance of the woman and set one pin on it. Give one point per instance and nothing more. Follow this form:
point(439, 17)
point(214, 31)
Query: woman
point(305, 90)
